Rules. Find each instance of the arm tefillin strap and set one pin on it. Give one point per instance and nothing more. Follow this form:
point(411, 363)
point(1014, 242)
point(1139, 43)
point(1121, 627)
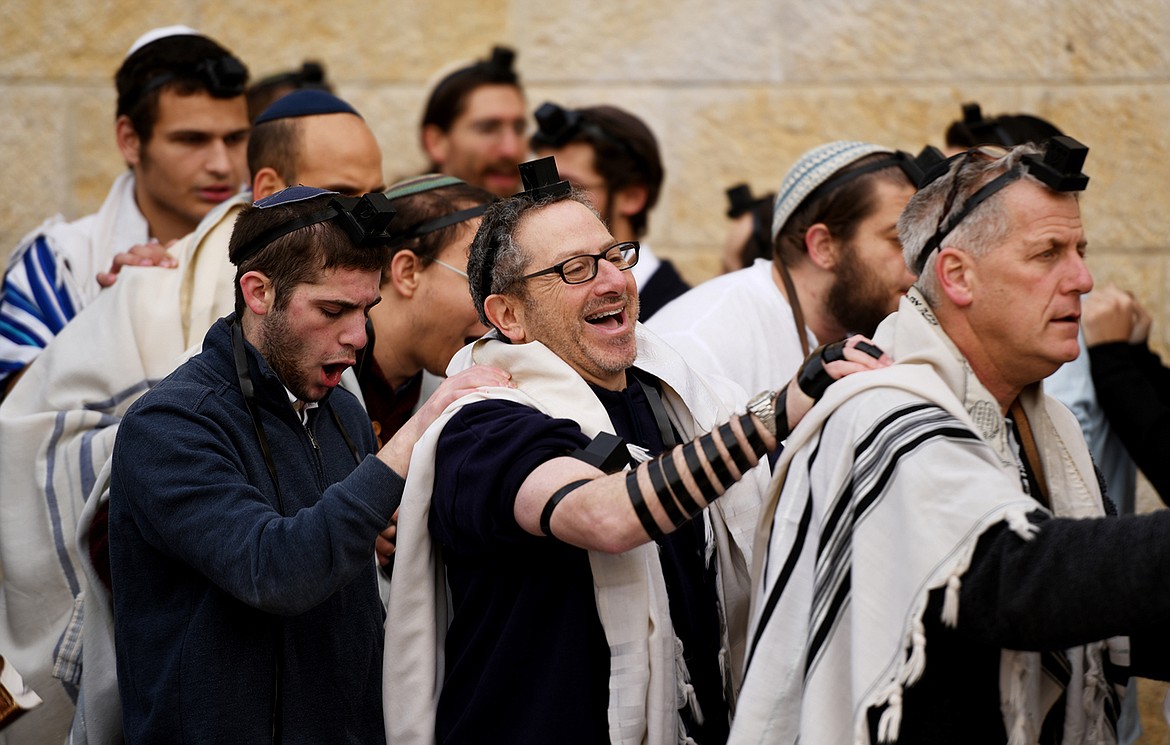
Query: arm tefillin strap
point(607, 452)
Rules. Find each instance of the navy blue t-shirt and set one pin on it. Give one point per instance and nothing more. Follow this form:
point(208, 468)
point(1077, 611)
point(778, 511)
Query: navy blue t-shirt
point(526, 656)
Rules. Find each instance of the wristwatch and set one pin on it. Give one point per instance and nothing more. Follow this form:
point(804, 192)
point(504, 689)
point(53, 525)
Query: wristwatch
point(763, 405)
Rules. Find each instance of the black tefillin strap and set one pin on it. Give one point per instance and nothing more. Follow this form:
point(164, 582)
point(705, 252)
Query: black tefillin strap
point(541, 182)
point(439, 223)
point(1058, 167)
point(558, 126)
point(916, 168)
point(244, 376)
point(364, 219)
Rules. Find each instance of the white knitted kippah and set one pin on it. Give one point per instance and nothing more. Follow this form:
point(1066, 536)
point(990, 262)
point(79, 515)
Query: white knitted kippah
point(160, 33)
point(813, 169)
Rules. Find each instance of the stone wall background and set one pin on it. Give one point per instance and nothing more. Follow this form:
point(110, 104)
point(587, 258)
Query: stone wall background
point(734, 90)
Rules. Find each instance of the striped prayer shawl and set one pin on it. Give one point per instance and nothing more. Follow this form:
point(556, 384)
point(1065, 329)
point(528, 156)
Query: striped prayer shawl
point(57, 430)
point(51, 275)
point(880, 498)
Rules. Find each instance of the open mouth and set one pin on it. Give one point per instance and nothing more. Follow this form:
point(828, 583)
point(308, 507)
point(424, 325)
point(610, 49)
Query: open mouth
point(608, 319)
point(331, 373)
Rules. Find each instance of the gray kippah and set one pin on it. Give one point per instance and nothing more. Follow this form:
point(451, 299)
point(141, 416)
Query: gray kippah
point(813, 169)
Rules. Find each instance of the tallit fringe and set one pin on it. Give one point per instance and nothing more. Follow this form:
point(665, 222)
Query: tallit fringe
point(1017, 520)
point(1017, 713)
point(685, 695)
point(915, 664)
point(1095, 692)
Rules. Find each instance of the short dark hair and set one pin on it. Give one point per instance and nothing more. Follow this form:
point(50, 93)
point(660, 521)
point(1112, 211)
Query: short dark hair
point(625, 153)
point(261, 94)
point(1008, 130)
point(841, 209)
point(276, 144)
point(186, 64)
point(495, 265)
point(414, 210)
point(448, 100)
point(299, 257)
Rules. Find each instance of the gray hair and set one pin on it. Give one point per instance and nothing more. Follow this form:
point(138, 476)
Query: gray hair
point(985, 228)
point(496, 261)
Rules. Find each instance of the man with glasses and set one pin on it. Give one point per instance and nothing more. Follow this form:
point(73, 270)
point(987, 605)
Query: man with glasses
point(939, 567)
point(613, 158)
point(474, 121)
point(594, 524)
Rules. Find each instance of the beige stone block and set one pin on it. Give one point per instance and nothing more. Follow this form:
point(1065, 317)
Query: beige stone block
point(78, 39)
point(617, 41)
point(857, 40)
point(34, 125)
point(393, 114)
point(358, 41)
point(94, 161)
point(1125, 129)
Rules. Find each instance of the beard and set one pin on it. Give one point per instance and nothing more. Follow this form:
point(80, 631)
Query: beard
point(284, 352)
point(857, 299)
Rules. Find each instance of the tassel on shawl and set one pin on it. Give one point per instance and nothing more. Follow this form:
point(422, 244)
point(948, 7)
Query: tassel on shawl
point(1096, 690)
point(1015, 706)
point(686, 692)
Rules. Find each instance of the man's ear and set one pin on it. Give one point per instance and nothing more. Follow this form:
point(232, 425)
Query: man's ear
point(506, 313)
point(955, 272)
point(258, 292)
point(630, 201)
point(266, 182)
point(405, 268)
point(436, 143)
point(129, 144)
point(822, 249)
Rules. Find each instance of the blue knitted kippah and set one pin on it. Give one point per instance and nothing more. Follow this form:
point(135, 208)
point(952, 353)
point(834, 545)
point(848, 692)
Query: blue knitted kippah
point(305, 102)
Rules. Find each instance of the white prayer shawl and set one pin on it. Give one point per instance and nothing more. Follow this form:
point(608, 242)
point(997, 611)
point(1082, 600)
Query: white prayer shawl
point(83, 248)
point(57, 430)
point(645, 693)
point(904, 544)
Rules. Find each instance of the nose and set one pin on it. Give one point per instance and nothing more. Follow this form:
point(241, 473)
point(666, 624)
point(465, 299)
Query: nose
point(609, 280)
point(219, 159)
point(1081, 277)
point(353, 334)
point(511, 144)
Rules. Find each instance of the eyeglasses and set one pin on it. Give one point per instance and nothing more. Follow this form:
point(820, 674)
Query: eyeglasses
point(457, 270)
point(578, 269)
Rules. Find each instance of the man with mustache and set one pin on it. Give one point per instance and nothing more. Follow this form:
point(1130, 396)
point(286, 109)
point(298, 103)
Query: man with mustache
point(59, 424)
point(473, 124)
point(836, 269)
point(593, 525)
point(182, 128)
point(939, 564)
point(612, 156)
point(244, 584)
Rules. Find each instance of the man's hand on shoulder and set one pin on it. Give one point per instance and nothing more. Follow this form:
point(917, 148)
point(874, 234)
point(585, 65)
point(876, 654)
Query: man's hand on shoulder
point(827, 364)
point(396, 452)
point(152, 253)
